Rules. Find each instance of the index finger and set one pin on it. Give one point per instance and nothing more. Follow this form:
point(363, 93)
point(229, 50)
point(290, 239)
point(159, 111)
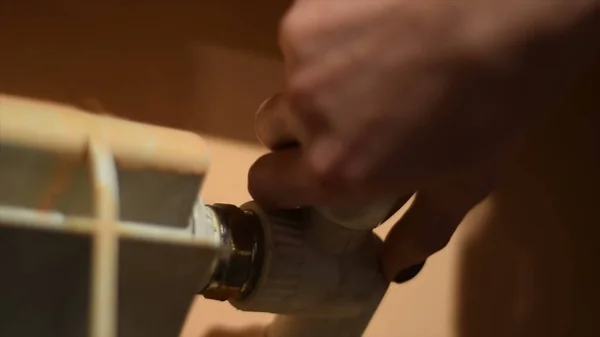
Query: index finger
point(281, 180)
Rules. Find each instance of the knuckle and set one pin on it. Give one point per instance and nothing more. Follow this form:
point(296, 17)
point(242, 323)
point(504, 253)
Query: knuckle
point(300, 92)
point(297, 33)
point(305, 101)
point(291, 29)
point(334, 183)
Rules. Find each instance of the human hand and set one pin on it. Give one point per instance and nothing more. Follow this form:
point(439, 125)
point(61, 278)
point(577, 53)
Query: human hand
point(402, 96)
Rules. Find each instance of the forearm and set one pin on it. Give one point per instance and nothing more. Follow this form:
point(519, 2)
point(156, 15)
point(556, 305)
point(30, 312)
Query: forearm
point(534, 49)
point(568, 40)
point(501, 27)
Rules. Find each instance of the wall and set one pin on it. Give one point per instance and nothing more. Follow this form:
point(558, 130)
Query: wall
point(148, 60)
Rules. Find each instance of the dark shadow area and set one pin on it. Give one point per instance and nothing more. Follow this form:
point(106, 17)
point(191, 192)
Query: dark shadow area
point(532, 270)
point(131, 58)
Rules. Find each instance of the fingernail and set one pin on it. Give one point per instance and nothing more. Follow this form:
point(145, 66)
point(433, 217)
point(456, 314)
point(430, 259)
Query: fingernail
point(409, 273)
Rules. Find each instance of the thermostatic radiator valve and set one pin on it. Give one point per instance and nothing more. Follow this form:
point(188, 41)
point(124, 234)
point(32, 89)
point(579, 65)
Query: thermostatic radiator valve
point(321, 277)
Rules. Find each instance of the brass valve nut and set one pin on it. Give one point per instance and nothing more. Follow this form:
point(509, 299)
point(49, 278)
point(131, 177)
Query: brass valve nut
point(241, 236)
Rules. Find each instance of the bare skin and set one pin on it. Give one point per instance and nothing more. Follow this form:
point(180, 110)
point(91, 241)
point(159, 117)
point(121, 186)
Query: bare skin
point(410, 96)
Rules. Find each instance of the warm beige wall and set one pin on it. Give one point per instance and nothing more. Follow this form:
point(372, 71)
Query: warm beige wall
point(144, 59)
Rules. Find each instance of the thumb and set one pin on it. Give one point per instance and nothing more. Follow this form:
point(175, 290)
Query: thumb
point(430, 222)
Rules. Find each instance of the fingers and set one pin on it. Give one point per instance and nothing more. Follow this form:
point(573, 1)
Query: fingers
point(272, 124)
point(281, 179)
point(429, 224)
point(284, 178)
point(425, 229)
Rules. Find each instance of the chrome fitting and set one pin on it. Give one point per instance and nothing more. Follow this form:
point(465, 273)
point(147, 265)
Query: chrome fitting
point(237, 271)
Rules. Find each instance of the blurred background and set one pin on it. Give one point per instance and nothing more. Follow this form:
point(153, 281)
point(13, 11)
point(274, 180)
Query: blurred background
point(522, 264)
